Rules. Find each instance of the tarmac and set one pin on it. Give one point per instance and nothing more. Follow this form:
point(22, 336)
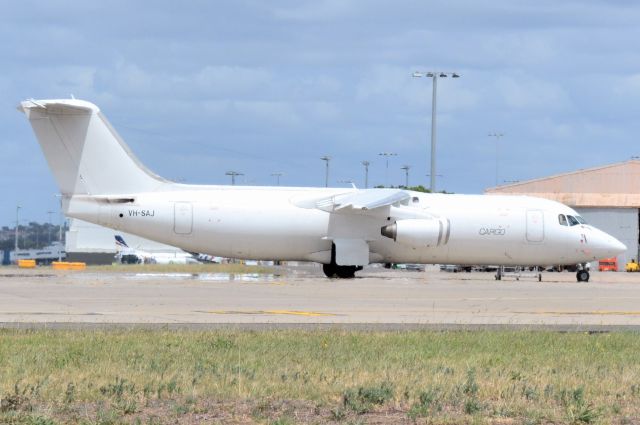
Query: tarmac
point(304, 298)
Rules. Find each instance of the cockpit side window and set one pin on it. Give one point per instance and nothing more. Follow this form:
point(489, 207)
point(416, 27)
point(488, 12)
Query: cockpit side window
point(581, 220)
point(572, 220)
point(562, 219)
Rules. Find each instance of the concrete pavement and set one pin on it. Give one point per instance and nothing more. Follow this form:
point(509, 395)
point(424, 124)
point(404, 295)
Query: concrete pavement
point(378, 298)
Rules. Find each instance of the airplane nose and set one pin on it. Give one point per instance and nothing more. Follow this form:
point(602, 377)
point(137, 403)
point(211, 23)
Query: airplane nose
point(606, 246)
point(617, 246)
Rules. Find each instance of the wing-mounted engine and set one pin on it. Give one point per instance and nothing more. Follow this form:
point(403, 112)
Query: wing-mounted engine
point(419, 232)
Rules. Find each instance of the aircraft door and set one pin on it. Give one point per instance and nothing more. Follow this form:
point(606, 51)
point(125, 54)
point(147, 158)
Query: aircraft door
point(183, 218)
point(535, 226)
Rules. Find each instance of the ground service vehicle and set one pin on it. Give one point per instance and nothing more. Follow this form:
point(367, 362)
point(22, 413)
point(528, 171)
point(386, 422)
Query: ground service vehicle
point(608, 265)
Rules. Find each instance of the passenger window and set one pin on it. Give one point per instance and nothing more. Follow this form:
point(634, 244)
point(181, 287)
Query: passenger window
point(562, 219)
point(572, 220)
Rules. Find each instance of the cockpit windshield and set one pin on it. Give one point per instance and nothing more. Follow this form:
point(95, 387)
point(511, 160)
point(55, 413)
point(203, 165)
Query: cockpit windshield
point(570, 220)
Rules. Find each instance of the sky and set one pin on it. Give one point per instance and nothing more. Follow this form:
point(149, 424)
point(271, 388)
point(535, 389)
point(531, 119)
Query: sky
point(200, 88)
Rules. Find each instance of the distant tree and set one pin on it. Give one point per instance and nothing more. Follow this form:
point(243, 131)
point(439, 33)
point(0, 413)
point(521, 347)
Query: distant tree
point(32, 236)
point(419, 188)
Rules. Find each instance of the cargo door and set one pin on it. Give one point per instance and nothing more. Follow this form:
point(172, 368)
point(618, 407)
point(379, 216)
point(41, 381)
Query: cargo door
point(183, 218)
point(535, 226)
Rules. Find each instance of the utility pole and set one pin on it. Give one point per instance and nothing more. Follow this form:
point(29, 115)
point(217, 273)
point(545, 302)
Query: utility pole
point(326, 159)
point(366, 173)
point(434, 77)
point(277, 176)
point(386, 172)
point(497, 136)
point(17, 224)
point(233, 175)
point(406, 175)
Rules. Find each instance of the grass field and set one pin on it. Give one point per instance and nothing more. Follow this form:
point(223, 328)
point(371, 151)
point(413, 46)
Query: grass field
point(280, 377)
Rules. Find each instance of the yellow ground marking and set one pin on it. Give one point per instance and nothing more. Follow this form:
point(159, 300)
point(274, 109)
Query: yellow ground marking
point(287, 312)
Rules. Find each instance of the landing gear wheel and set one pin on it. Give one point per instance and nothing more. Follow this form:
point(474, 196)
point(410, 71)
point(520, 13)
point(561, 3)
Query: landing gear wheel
point(329, 270)
point(341, 272)
point(582, 276)
point(346, 272)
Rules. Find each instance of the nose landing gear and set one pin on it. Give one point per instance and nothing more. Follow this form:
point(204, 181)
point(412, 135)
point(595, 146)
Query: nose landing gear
point(582, 275)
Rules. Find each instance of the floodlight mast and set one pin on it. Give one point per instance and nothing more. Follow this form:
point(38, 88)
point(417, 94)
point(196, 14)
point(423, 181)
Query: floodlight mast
point(366, 173)
point(386, 172)
point(406, 169)
point(233, 175)
point(326, 158)
point(277, 176)
point(434, 77)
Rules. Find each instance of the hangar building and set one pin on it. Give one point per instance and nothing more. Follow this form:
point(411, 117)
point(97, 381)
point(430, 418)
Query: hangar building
point(607, 197)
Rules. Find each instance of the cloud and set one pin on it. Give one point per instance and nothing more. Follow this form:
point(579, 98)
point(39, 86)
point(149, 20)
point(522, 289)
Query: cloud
point(526, 92)
point(627, 86)
point(316, 10)
point(298, 80)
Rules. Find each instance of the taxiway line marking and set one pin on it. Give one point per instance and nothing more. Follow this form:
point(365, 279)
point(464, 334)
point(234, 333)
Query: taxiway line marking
point(586, 313)
point(285, 312)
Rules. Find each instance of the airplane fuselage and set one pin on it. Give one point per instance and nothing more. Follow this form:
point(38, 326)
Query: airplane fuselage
point(268, 223)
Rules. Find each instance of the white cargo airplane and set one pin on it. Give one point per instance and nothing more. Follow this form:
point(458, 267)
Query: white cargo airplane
point(102, 182)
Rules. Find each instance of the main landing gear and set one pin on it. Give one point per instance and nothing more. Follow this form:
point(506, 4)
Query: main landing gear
point(341, 272)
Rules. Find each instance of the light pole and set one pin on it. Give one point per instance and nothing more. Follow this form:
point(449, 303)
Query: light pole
point(277, 176)
point(386, 172)
point(326, 159)
point(497, 136)
point(233, 175)
point(17, 224)
point(49, 213)
point(61, 217)
point(406, 175)
point(366, 173)
point(434, 77)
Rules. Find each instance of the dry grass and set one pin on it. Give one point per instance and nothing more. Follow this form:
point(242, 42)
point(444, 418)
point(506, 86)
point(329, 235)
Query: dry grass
point(444, 377)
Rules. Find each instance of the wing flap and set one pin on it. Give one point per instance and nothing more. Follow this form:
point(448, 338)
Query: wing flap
point(363, 200)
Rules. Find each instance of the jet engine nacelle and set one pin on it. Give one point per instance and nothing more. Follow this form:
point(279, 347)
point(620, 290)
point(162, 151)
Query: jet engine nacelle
point(418, 232)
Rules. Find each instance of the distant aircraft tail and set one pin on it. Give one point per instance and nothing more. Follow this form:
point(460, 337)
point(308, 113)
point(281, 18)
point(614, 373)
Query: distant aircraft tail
point(84, 152)
point(120, 242)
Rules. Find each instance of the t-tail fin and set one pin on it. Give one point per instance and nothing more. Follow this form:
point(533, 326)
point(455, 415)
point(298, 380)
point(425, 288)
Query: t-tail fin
point(85, 154)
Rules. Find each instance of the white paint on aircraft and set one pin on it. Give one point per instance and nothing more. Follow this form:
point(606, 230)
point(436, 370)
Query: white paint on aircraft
point(102, 182)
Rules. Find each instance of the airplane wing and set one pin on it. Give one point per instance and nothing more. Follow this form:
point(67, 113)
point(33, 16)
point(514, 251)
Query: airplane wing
point(366, 199)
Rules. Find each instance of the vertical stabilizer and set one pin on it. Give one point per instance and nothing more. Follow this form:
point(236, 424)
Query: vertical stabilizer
point(85, 154)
